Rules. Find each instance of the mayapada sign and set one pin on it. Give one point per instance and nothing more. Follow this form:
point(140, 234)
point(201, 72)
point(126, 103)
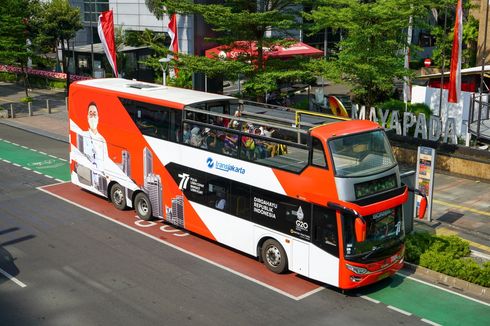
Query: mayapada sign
point(432, 129)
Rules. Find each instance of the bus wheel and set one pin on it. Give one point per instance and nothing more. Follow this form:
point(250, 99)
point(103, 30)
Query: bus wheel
point(274, 256)
point(118, 197)
point(143, 206)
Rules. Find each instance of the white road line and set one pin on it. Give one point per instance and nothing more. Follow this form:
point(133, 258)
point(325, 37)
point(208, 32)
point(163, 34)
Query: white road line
point(443, 289)
point(32, 149)
point(48, 176)
point(24, 147)
point(59, 180)
point(7, 161)
point(7, 141)
point(37, 172)
point(400, 310)
point(26, 168)
point(182, 250)
point(15, 164)
point(15, 144)
point(368, 298)
point(43, 153)
point(13, 279)
point(430, 322)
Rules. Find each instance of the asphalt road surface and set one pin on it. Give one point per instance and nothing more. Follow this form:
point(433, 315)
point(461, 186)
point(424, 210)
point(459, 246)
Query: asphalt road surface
point(63, 265)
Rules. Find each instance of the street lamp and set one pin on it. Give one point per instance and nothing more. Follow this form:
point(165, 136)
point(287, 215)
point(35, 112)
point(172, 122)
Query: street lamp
point(163, 63)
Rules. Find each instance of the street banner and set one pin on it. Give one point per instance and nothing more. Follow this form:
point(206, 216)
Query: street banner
point(455, 72)
point(174, 42)
point(105, 29)
point(424, 178)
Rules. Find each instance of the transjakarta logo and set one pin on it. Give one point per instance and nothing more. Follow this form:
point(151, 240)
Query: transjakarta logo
point(224, 166)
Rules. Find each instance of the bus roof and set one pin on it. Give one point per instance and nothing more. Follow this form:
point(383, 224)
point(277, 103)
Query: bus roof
point(155, 91)
point(343, 128)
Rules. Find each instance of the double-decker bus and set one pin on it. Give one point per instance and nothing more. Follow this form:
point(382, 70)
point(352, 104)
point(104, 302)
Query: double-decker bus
point(317, 195)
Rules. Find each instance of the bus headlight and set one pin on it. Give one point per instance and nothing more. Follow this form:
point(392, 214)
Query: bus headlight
point(356, 269)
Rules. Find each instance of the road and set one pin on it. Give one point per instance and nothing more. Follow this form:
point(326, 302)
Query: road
point(63, 265)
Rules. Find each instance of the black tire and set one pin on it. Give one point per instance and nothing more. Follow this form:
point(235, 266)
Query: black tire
point(118, 196)
point(274, 256)
point(142, 206)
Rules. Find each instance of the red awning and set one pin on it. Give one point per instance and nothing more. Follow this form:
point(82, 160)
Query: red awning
point(245, 48)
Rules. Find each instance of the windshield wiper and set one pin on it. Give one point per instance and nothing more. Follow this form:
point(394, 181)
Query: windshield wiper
point(374, 250)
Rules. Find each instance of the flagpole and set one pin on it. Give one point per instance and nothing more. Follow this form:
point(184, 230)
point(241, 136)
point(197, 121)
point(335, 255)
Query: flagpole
point(443, 63)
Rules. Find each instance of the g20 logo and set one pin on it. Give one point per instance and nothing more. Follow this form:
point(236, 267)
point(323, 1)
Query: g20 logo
point(300, 225)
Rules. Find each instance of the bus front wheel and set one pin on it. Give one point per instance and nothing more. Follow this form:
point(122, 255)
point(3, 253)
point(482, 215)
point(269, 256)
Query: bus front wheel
point(118, 196)
point(142, 206)
point(274, 256)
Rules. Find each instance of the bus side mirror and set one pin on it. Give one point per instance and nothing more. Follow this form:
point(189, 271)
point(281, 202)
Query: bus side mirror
point(360, 229)
point(422, 207)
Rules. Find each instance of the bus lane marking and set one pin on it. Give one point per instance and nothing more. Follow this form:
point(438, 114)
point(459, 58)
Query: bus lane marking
point(13, 279)
point(150, 230)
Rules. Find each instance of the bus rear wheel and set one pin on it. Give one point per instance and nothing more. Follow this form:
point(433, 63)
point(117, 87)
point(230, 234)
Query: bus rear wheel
point(274, 256)
point(118, 196)
point(142, 206)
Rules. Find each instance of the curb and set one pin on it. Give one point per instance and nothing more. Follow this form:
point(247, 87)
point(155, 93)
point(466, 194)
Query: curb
point(464, 287)
point(34, 130)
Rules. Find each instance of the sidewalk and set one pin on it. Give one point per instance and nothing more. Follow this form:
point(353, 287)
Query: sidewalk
point(460, 206)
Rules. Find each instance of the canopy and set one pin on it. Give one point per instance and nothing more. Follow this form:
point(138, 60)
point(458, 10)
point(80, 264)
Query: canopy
point(247, 48)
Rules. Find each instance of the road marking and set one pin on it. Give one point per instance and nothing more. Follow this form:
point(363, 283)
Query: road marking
point(59, 180)
point(7, 161)
point(15, 164)
point(446, 231)
point(464, 208)
point(430, 322)
point(43, 153)
point(26, 168)
point(183, 250)
point(37, 172)
point(369, 299)
point(13, 279)
point(24, 147)
point(400, 310)
point(32, 149)
point(443, 289)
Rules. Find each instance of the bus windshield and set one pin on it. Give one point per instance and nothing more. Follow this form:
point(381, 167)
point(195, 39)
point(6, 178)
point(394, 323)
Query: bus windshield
point(383, 230)
point(361, 154)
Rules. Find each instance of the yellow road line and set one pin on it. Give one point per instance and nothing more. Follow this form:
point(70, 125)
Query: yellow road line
point(445, 231)
point(464, 208)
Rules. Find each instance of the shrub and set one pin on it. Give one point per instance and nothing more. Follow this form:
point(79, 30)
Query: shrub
point(446, 254)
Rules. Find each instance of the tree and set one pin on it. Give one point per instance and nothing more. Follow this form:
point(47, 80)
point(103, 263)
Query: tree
point(56, 24)
point(15, 34)
point(240, 20)
point(372, 53)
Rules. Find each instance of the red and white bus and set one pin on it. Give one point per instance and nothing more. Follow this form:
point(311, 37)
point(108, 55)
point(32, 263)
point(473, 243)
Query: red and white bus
point(319, 196)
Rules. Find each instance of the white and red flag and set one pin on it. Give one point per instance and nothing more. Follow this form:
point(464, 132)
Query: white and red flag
point(106, 33)
point(455, 72)
point(174, 41)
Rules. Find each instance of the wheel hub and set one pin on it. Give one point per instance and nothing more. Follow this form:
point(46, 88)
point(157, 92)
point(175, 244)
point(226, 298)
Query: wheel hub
point(273, 256)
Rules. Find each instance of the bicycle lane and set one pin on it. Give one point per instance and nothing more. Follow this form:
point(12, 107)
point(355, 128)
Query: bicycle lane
point(33, 160)
point(431, 303)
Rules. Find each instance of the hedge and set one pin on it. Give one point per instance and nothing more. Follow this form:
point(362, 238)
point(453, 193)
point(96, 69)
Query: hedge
point(446, 254)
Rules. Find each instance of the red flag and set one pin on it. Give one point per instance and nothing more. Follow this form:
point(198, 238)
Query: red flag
point(174, 41)
point(455, 73)
point(106, 33)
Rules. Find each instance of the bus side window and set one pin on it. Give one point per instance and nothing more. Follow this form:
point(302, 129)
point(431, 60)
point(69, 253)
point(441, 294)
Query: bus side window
point(217, 193)
point(325, 229)
point(318, 154)
point(240, 200)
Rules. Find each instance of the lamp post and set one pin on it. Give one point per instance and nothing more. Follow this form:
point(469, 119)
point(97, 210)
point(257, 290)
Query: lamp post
point(163, 63)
